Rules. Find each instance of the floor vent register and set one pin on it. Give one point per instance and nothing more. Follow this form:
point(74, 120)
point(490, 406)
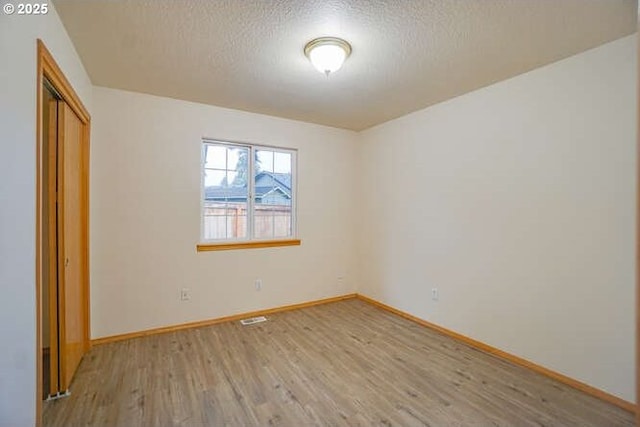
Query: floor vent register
point(253, 320)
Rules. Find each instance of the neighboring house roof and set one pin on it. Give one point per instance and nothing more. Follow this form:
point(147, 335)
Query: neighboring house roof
point(218, 193)
point(282, 180)
point(266, 183)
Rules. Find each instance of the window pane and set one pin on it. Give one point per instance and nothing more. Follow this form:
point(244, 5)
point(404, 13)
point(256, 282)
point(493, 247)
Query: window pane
point(215, 156)
point(224, 221)
point(224, 210)
point(273, 195)
point(215, 178)
point(264, 158)
point(282, 163)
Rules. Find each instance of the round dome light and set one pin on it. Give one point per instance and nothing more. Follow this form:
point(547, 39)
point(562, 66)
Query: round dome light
point(327, 54)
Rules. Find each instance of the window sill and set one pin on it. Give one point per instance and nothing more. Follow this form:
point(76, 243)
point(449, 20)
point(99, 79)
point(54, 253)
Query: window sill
point(206, 247)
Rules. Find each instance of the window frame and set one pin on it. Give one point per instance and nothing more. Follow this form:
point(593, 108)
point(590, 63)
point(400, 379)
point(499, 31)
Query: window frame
point(249, 241)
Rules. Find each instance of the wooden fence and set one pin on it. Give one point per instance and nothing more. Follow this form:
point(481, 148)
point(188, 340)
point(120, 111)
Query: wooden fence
point(229, 221)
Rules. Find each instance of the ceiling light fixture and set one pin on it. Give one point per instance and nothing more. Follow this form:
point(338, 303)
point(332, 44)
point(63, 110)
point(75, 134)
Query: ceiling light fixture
point(327, 54)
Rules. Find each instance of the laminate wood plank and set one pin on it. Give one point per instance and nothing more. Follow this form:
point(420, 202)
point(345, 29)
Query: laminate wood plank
point(346, 363)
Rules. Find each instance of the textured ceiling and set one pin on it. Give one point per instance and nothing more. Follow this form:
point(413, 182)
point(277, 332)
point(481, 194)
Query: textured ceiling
point(407, 54)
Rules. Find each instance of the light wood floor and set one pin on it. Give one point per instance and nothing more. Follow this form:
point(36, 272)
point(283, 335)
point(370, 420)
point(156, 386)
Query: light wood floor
point(345, 363)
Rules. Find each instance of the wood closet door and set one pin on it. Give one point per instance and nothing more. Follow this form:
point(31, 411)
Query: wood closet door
point(72, 241)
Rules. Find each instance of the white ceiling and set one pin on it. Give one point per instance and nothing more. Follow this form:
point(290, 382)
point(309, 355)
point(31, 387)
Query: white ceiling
point(407, 54)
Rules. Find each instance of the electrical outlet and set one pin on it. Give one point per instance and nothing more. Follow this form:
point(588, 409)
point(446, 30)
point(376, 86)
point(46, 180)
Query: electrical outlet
point(434, 294)
point(258, 284)
point(184, 294)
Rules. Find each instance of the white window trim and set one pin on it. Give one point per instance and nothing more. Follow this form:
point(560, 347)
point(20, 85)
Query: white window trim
point(249, 242)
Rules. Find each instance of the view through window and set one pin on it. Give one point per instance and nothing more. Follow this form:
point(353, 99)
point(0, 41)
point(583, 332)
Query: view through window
point(248, 192)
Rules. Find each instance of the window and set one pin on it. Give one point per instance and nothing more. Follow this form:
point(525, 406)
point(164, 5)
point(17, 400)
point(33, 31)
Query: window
point(248, 195)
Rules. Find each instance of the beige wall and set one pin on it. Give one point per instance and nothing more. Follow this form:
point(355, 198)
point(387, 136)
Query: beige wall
point(18, 36)
point(145, 215)
point(517, 202)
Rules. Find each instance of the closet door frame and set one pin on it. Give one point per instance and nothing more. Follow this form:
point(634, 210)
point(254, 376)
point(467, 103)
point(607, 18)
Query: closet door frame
point(48, 69)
